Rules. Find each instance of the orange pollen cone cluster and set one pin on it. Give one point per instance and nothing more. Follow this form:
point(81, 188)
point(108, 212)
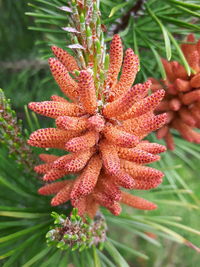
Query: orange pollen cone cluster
point(106, 150)
point(182, 98)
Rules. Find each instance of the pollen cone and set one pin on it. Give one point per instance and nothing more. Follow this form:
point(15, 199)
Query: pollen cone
point(182, 98)
point(100, 135)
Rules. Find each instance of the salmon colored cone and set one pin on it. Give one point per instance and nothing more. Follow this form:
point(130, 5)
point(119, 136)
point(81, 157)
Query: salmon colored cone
point(182, 96)
point(99, 129)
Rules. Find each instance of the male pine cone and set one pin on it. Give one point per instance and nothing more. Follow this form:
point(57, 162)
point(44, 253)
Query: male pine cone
point(103, 134)
point(182, 98)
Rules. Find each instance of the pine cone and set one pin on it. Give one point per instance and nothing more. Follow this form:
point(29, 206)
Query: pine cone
point(103, 132)
point(182, 98)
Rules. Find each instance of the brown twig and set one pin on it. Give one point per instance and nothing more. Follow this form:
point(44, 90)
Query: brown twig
point(23, 64)
point(125, 19)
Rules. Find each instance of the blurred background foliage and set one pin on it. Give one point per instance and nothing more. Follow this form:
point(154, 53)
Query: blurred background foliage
point(153, 28)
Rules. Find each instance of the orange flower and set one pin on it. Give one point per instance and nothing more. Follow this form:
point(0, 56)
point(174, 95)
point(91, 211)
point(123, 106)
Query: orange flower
point(182, 98)
point(103, 132)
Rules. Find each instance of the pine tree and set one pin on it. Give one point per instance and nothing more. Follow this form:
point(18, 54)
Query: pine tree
point(160, 39)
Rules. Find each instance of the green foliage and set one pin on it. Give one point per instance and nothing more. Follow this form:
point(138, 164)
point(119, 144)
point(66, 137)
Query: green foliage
point(75, 233)
point(27, 220)
point(152, 28)
point(11, 135)
point(17, 39)
point(135, 237)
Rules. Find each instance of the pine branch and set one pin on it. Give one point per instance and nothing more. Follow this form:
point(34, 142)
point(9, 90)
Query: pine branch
point(25, 225)
point(19, 65)
point(11, 135)
point(126, 17)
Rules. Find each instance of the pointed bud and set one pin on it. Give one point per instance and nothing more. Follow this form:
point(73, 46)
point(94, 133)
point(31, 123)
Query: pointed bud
point(169, 70)
point(147, 184)
point(88, 178)
point(53, 188)
point(152, 148)
point(87, 92)
point(50, 137)
point(140, 172)
point(54, 109)
point(66, 59)
point(83, 142)
point(125, 102)
point(123, 179)
point(137, 202)
point(195, 81)
point(43, 168)
point(78, 161)
point(62, 161)
point(110, 157)
point(120, 138)
point(71, 123)
point(145, 125)
point(191, 97)
point(145, 105)
point(129, 70)
point(62, 196)
point(182, 85)
point(68, 86)
point(136, 155)
point(116, 56)
point(179, 70)
point(48, 158)
point(54, 174)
